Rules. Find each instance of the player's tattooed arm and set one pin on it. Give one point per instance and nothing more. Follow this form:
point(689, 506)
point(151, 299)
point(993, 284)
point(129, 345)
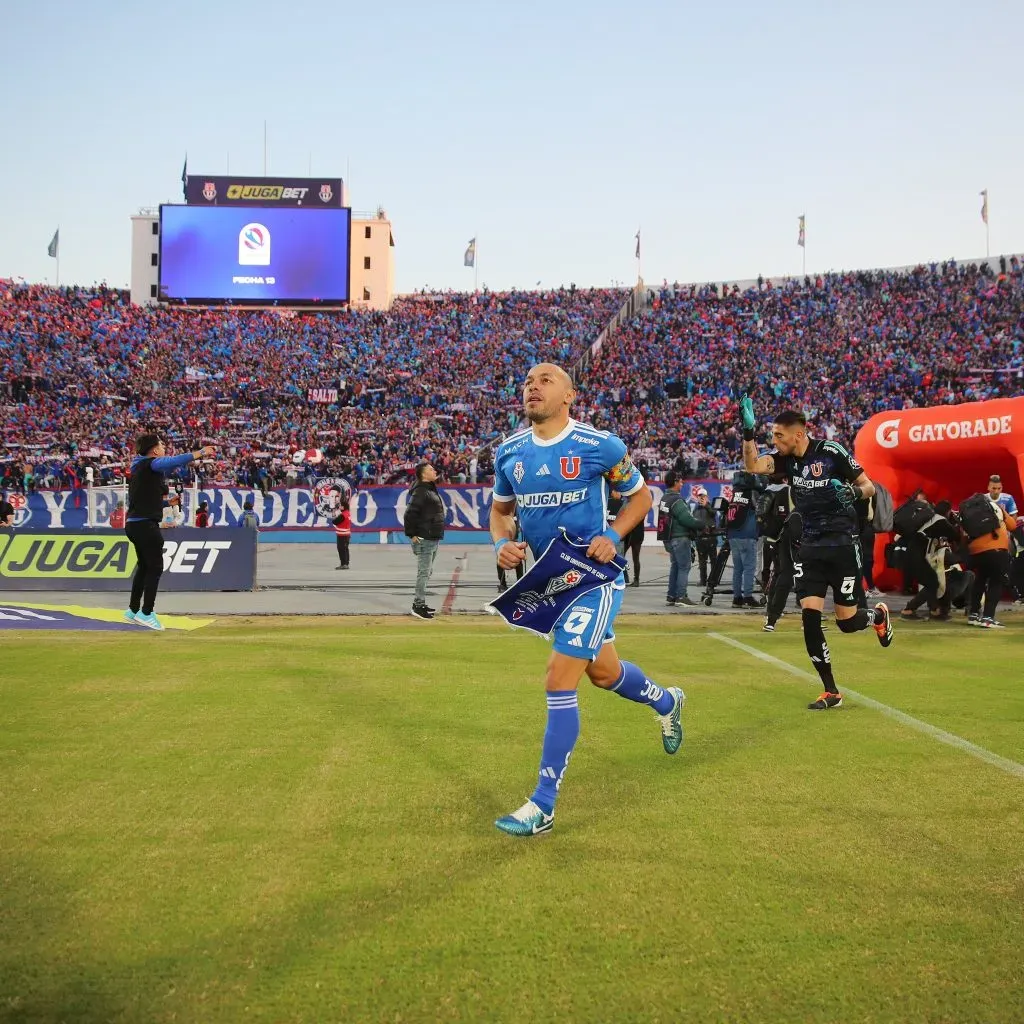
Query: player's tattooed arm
point(864, 486)
point(763, 465)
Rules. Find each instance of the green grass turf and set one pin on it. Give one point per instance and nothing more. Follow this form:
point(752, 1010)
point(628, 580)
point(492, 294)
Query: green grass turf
point(292, 821)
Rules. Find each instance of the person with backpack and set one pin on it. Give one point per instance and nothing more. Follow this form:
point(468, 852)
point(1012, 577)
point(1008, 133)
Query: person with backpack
point(676, 530)
point(987, 526)
point(926, 545)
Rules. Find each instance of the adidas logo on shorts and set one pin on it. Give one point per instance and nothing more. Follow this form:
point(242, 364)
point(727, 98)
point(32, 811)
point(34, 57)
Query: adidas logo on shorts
point(575, 642)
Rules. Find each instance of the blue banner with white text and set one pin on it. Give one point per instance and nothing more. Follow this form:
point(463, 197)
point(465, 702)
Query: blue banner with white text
point(372, 508)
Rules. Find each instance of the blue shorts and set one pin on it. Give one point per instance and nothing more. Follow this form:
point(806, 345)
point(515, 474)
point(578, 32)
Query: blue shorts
point(587, 624)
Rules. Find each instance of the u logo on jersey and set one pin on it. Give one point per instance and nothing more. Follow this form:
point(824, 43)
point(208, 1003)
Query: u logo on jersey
point(818, 468)
point(570, 466)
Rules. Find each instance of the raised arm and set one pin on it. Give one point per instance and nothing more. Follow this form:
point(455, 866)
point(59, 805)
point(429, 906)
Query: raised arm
point(752, 463)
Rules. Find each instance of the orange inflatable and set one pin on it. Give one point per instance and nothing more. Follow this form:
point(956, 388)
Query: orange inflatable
point(950, 451)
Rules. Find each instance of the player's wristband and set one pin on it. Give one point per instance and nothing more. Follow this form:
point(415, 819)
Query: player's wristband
point(499, 544)
point(748, 434)
point(612, 535)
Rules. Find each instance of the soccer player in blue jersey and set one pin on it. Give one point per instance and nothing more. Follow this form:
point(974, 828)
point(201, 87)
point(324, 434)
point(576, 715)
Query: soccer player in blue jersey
point(557, 474)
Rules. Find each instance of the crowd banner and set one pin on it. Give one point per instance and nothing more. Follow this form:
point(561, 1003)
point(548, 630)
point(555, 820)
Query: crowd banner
point(219, 558)
point(373, 508)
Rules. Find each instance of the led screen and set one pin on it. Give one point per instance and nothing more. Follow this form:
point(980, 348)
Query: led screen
point(254, 254)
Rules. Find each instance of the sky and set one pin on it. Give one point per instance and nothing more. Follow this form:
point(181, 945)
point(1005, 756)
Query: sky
point(551, 132)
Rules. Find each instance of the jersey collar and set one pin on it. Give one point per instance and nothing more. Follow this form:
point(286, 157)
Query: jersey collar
point(561, 436)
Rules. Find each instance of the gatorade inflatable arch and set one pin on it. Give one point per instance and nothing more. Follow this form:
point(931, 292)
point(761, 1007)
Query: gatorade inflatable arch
point(949, 450)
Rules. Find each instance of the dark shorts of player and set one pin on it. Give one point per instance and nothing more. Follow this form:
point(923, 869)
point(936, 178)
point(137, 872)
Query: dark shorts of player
point(818, 569)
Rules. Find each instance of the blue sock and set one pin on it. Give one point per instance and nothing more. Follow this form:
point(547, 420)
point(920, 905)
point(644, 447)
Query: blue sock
point(559, 738)
point(634, 685)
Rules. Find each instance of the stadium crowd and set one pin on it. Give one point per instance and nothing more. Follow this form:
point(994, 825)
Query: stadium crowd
point(437, 377)
point(841, 347)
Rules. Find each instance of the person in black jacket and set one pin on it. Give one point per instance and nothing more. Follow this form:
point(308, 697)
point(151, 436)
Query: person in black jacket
point(424, 524)
point(633, 540)
point(707, 541)
point(781, 532)
point(146, 488)
point(924, 549)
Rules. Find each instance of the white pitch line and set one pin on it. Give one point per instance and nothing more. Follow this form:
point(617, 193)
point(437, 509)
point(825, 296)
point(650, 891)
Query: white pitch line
point(951, 739)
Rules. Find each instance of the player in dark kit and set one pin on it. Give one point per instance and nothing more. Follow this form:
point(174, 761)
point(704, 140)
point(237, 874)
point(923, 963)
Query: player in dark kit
point(826, 482)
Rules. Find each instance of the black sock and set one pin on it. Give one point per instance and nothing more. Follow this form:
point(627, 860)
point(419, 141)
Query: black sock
point(857, 622)
point(817, 648)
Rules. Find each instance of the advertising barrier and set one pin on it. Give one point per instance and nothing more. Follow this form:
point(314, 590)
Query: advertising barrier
point(81, 559)
point(950, 451)
point(374, 509)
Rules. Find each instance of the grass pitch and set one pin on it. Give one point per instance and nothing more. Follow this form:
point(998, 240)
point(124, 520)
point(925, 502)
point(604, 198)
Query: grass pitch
point(292, 821)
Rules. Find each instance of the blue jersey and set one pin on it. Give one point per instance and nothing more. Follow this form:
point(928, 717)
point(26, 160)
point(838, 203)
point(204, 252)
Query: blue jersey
point(563, 481)
point(1007, 503)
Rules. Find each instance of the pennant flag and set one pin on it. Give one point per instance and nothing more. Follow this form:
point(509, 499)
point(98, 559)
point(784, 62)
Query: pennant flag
point(984, 205)
point(53, 247)
point(551, 586)
point(184, 178)
point(801, 238)
point(469, 260)
point(637, 244)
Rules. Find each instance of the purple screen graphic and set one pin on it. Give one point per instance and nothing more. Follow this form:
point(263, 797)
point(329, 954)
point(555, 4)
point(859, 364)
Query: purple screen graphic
point(254, 254)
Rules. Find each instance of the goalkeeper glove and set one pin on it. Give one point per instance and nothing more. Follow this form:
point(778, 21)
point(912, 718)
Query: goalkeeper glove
point(748, 417)
point(847, 495)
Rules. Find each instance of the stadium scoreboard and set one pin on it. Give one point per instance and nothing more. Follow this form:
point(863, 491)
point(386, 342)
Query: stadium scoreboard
point(256, 241)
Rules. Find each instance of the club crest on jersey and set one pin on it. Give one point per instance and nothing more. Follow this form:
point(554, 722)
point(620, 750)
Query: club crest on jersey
point(518, 473)
point(570, 466)
point(817, 468)
point(566, 581)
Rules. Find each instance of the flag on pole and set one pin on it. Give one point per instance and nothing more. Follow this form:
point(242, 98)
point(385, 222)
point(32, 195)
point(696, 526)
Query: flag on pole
point(469, 260)
point(637, 243)
point(184, 179)
point(53, 247)
point(984, 205)
point(801, 238)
